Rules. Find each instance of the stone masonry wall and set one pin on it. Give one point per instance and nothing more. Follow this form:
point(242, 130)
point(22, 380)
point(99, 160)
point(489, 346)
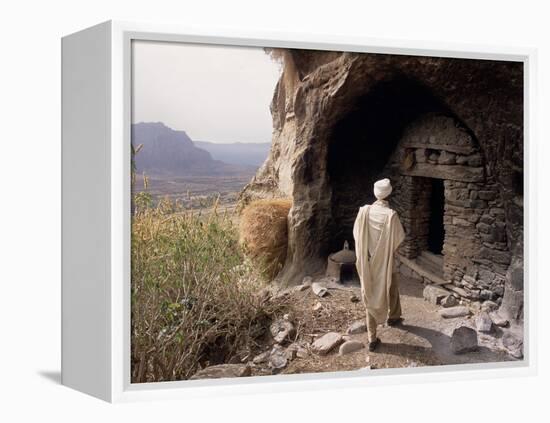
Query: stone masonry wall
point(476, 252)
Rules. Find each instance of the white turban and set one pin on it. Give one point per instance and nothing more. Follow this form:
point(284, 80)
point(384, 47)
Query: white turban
point(382, 188)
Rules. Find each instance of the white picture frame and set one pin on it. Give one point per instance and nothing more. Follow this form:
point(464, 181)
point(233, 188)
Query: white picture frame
point(96, 113)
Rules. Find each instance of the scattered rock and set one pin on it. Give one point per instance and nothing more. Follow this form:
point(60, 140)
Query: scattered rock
point(290, 352)
point(282, 330)
point(359, 326)
point(460, 291)
point(319, 289)
point(458, 311)
point(350, 346)
point(475, 307)
point(463, 340)
point(277, 360)
point(354, 298)
point(449, 301)
point(301, 287)
point(301, 352)
point(513, 344)
point(484, 323)
point(489, 306)
point(261, 358)
point(498, 320)
point(326, 343)
point(222, 371)
point(317, 306)
point(434, 294)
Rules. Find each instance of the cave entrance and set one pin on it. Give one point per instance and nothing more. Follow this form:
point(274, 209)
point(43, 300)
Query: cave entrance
point(436, 228)
point(360, 146)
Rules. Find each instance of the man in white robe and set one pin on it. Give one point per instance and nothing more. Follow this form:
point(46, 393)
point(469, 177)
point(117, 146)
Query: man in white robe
point(378, 232)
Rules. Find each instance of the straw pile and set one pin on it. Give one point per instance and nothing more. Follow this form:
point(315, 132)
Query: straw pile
point(263, 234)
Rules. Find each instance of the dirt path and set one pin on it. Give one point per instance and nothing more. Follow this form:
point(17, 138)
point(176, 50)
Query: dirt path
point(422, 340)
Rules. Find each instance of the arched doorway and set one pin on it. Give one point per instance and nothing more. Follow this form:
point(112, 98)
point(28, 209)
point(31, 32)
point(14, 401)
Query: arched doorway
point(362, 143)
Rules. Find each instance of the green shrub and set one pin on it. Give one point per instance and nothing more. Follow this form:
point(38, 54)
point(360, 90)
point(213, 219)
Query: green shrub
point(195, 299)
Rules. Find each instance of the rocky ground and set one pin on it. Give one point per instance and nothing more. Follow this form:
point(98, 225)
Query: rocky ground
point(327, 333)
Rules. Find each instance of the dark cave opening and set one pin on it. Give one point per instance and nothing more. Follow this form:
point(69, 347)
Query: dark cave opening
point(361, 144)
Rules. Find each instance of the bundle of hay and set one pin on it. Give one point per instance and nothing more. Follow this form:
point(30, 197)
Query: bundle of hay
point(263, 233)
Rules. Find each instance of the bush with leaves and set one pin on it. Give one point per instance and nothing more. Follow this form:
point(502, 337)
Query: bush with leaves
point(195, 299)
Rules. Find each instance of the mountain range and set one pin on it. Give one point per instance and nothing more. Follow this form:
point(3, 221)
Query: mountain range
point(166, 151)
point(238, 153)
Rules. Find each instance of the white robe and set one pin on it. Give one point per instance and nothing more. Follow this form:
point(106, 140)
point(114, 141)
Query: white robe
point(377, 232)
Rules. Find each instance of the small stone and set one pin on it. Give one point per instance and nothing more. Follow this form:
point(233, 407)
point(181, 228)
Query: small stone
point(458, 311)
point(484, 323)
point(434, 294)
point(460, 291)
point(350, 346)
point(301, 352)
point(318, 306)
point(223, 371)
point(513, 344)
point(282, 330)
point(475, 307)
point(301, 287)
point(489, 306)
point(461, 159)
point(447, 158)
point(277, 360)
point(354, 298)
point(498, 320)
point(485, 294)
point(449, 301)
point(463, 340)
point(326, 343)
point(290, 352)
point(420, 155)
point(319, 289)
point(359, 326)
point(261, 358)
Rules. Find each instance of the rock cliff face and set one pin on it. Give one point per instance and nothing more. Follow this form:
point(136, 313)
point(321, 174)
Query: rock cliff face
point(343, 120)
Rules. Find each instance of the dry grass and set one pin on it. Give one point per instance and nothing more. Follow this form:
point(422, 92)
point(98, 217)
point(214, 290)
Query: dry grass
point(263, 234)
point(195, 299)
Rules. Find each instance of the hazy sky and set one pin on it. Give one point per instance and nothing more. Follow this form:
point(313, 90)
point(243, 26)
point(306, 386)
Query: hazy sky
point(214, 93)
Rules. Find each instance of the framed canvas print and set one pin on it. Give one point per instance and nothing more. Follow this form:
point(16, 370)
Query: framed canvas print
point(261, 212)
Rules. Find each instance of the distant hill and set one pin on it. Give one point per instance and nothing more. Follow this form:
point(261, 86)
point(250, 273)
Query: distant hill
point(238, 153)
point(169, 152)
